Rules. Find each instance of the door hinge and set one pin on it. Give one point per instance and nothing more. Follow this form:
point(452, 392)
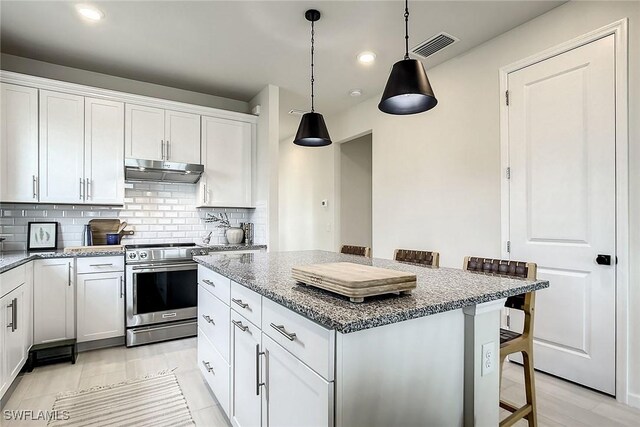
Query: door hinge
point(509, 246)
point(506, 96)
point(508, 173)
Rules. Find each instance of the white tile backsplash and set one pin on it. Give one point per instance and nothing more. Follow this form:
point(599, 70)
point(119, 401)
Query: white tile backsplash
point(158, 213)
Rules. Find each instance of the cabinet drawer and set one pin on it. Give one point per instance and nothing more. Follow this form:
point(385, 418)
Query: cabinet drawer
point(213, 320)
point(100, 264)
point(214, 369)
point(308, 341)
point(9, 280)
point(215, 283)
point(246, 302)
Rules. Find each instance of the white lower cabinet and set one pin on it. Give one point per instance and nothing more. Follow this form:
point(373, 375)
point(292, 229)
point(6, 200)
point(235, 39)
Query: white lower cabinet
point(215, 370)
point(100, 305)
point(295, 395)
point(53, 300)
point(245, 390)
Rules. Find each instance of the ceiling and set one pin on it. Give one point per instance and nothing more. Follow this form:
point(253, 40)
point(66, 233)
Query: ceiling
point(235, 48)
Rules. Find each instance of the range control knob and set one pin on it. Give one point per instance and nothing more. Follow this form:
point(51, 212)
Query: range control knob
point(143, 255)
point(132, 255)
point(203, 252)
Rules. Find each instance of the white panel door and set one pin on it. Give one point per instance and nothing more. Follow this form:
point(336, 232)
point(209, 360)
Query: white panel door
point(61, 147)
point(53, 300)
point(104, 151)
point(144, 132)
point(18, 143)
point(245, 403)
point(562, 206)
point(295, 395)
point(100, 306)
point(182, 134)
point(227, 156)
point(14, 327)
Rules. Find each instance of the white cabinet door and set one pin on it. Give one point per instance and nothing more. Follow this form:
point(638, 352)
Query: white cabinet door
point(104, 151)
point(245, 403)
point(227, 156)
point(61, 147)
point(14, 328)
point(182, 137)
point(144, 132)
point(297, 396)
point(53, 300)
point(100, 306)
point(18, 143)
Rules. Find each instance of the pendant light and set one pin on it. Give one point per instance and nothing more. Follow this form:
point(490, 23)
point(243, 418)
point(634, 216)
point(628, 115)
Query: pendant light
point(312, 131)
point(408, 90)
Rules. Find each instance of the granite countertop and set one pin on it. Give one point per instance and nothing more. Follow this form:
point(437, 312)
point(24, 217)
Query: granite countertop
point(438, 289)
point(14, 259)
point(231, 247)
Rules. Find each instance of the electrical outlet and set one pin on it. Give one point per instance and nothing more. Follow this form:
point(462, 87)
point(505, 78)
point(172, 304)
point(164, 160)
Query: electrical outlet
point(488, 358)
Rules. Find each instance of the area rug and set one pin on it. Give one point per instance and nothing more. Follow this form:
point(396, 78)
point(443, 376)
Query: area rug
point(153, 400)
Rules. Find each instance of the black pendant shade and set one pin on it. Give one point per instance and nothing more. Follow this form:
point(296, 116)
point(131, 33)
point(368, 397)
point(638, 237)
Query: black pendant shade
point(312, 131)
point(408, 90)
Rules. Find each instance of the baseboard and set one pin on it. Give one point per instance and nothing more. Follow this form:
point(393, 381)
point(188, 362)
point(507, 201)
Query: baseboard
point(634, 400)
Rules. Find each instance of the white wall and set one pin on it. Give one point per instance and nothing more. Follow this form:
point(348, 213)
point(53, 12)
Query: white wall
point(48, 70)
point(452, 153)
point(265, 177)
point(355, 192)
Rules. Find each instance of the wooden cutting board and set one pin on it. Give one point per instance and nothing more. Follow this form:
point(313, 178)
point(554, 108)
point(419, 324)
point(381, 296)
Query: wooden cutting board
point(355, 281)
point(101, 227)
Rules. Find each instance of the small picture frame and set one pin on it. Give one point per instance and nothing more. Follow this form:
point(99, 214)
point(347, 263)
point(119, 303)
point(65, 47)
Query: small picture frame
point(42, 236)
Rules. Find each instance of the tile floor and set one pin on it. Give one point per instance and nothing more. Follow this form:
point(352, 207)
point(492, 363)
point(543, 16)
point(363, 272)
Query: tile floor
point(559, 403)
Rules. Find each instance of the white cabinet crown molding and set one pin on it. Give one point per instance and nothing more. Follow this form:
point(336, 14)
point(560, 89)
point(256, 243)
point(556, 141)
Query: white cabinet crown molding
point(77, 89)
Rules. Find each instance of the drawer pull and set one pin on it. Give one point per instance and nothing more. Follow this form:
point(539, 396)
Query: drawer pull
point(240, 325)
point(208, 367)
point(101, 265)
point(208, 319)
point(240, 302)
point(209, 282)
point(280, 328)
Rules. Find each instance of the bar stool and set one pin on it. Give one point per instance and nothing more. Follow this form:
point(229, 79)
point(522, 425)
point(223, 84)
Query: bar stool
point(364, 251)
point(512, 342)
point(429, 258)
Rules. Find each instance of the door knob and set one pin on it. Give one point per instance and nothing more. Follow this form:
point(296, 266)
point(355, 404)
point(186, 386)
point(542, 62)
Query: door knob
point(603, 259)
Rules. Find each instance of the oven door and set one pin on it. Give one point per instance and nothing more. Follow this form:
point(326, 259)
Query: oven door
point(161, 293)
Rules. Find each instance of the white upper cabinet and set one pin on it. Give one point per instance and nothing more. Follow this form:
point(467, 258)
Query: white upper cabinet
point(182, 137)
point(104, 151)
point(144, 132)
point(18, 144)
point(61, 147)
point(158, 134)
point(227, 156)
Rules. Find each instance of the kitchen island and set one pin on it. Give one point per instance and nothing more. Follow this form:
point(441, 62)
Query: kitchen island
point(289, 354)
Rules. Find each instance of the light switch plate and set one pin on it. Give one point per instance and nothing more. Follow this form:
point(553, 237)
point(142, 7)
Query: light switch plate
point(489, 358)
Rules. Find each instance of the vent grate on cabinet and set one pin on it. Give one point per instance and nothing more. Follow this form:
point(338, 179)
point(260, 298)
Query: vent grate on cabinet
point(434, 44)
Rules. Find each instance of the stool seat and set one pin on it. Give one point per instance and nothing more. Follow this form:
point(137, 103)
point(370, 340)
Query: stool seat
point(506, 336)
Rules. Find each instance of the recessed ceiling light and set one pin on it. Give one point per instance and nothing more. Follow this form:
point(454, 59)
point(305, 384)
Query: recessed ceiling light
point(355, 92)
point(89, 12)
point(366, 57)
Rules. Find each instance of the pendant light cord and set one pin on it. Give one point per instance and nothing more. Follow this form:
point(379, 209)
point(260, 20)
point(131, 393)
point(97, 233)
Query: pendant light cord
point(312, 65)
point(406, 29)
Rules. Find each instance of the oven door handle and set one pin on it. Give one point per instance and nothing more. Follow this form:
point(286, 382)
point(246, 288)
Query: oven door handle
point(164, 268)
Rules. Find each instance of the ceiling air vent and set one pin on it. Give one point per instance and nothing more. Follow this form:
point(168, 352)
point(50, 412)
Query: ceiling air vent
point(433, 45)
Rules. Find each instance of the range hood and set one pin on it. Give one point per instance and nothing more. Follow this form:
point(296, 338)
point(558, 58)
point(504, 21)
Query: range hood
point(161, 171)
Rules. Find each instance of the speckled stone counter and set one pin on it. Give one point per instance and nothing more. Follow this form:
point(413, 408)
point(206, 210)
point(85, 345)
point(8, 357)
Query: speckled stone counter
point(438, 289)
point(14, 259)
point(231, 247)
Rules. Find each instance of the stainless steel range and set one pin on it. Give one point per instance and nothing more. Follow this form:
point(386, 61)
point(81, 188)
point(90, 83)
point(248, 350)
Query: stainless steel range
point(161, 292)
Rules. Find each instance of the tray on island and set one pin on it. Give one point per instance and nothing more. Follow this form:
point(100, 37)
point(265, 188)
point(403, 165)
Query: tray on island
point(355, 281)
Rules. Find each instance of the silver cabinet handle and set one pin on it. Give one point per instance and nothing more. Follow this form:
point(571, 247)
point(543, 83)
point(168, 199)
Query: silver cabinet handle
point(168, 150)
point(204, 192)
point(208, 319)
point(101, 265)
point(240, 302)
point(121, 287)
point(208, 367)
point(209, 282)
point(162, 149)
point(280, 328)
point(81, 185)
point(35, 187)
point(258, 383)
point(69, 274)
point(14, 314)
point(240, 325)
point(87, 187)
